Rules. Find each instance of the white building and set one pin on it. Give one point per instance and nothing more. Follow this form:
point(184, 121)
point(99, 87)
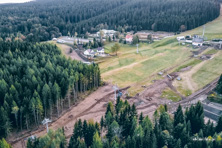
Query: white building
point(60, 41)
point(189, 41)
point(106, 33)
point(180, 38)
point(100, 50)
point(89, 52)
point(197, 41)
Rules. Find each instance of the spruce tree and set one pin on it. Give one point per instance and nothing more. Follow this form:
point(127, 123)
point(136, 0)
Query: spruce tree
point(141, 118)
point(178, 116)
point(97, 142)
point(219, 125)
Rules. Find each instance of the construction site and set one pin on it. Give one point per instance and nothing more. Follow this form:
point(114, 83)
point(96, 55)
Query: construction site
point(163, 72)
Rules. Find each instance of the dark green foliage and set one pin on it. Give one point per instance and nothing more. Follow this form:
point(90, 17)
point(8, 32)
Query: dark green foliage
point(141, 118)
point(135, 39)
point(34, 82)
point(102, 122)
point(43, 20)
point(209, 128)
point(5, 125)
point(196, 117)
point(165, 122)
point(219, 86)
point(219, 125)
point(125, 132)
point(178, 117)
point(83, 130)
point(53, 139)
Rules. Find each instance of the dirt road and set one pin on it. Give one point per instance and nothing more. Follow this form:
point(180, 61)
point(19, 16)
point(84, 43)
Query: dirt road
point(95, 101)
point(66, 51)
point(73, 55)
point(92, 107)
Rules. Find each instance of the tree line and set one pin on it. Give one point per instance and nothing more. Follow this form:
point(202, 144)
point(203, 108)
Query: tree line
point(219, 86)
point(122, 127)
point(43, 20)
point(36, 81)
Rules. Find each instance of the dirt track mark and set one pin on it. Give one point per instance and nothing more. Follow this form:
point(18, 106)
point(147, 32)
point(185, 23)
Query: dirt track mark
point(149, 105)
point(209, 87)
point(187, 76)
point(131, 65)
point(68, 117)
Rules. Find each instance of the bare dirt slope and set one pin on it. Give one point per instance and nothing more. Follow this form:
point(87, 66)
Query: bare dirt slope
point(92, 107)
point(187, 76)
point(92, 102)
point(66, 51)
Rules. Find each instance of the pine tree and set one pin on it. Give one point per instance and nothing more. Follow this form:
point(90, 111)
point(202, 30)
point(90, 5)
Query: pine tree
point(3, 90)
point(178, 144)
point(113, 130)
point(56, 93)
point(110, 109)
point(138, 135)
point(219, 125)
point(109, 118)
point(102, 122)
point(156, 115)
point(97, 142)
point(46, 94)
point(165, 122)
point(115, 143)
point(4, 144)
point(141, 118)
point(178, 117)
point(133, 112)
point(219, 86)
point(15, 110)
point(85, 129)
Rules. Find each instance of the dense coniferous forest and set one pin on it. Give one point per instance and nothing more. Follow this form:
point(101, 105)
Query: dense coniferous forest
point(219, 86)
point(43, 20)
point(36, 80)
point(122, 127)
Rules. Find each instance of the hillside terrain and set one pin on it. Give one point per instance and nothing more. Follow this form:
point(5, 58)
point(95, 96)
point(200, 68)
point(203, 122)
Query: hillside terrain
point(96, 90)
point(136, 70)
point(43, 20)
point(34, 82)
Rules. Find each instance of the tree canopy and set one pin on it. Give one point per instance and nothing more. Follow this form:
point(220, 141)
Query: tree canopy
point(43, 20)
point(37, 81)
point(124, 129)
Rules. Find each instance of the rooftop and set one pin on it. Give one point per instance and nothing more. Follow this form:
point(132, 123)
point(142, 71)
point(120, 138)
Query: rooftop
point(198, 40)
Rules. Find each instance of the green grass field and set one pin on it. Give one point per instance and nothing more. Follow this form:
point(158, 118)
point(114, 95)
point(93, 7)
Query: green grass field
point(132, 69)
point(209, 71)
point(171, 95)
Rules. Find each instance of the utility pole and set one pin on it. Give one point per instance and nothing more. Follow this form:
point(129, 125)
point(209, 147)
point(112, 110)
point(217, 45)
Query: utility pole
point(203, 31)
point(45, 122)
point(137, 45)
point(115, 89)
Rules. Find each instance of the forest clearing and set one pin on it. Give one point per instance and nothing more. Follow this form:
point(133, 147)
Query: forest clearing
point(142, 68)
point(136, 70)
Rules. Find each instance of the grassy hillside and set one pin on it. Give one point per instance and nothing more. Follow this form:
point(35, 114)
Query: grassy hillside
point(206, 71)
point(130, 68)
